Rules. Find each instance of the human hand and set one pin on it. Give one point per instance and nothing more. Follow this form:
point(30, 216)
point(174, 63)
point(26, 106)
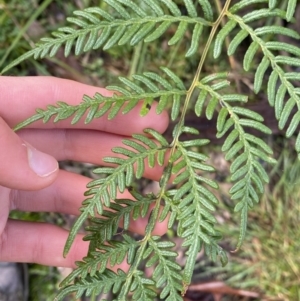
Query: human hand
point(29, 176)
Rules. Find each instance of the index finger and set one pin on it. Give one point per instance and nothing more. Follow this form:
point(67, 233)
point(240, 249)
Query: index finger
point(21, 96)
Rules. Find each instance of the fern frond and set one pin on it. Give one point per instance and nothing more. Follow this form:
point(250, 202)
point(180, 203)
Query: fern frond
point(208, 93)
point(105, 227)
point(105, 190)
point(166, 272)
point(284, 109)
point(141, 287)
point(195, 201)
point(246, 170)
point(100, 282)
point(128, 24)
point(110, 254)
point(240, 147)
point(148, 86)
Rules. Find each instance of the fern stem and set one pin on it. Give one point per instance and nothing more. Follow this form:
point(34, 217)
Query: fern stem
point(231, 58)
point(198, 72)
point(167, 172)
point(132, 270)
point(208, 44)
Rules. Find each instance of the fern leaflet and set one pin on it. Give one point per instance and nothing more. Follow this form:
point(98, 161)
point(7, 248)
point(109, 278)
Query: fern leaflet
point(98, 28)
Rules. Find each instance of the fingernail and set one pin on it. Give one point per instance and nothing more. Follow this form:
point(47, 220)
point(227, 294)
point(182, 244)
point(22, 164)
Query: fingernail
point(42, 164)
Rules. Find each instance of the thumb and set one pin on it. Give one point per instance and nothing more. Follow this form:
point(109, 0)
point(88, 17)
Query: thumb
point(21, 165)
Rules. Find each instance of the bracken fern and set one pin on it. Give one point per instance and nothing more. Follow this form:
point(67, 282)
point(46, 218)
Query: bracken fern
point(191, 201)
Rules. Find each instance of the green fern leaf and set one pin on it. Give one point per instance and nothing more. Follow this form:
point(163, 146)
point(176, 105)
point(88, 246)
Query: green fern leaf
point(234, 97)
point(230, 140)
point(243, 3)
point(260, 73)
point(298, 144)
point(272, 88)
point(243, 225)
point(236, 147)
point(94, 285)
point(141, 288)
point(172, 7)
point(221, 119)
point(195, 40)
point(237, 162)
point(228, 124)
point(214, 76)
point(104, 228)
point(207, 9)
point(181, 30)
point(272, 4)
point(190, 8)
point(264, 13)
point(211, 108)
point(179, 83)
point(293, 125)
point(238, 39)
point(134, 7)
point(286, 112)
point(277, 30)
point(276, 96)
point(280, 59)
point(196, 201)
point(258, 142)
point(291, 9)
point(256, 125)
point(249, 55)
point(159, 31)
point(191, 202)
point(248, 113)
point(245, 169)
point(230, 25)
point(200, 102)
point(279, 100)
point(96, 262)
point(192, 255)
point(100, 105)
point(166, 272)
point(98, 189)
point(97, 28)
point(142, 33)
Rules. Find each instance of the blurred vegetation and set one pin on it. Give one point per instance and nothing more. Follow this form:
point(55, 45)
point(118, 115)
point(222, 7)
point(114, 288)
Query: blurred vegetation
point(269, 261)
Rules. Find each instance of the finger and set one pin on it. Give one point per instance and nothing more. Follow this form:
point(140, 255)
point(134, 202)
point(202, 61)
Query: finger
point(4, 206)
point(65, 195)
point(43, 244)
point(39, 243)
point(80, 145)
point(23, 166)
point(25, 94)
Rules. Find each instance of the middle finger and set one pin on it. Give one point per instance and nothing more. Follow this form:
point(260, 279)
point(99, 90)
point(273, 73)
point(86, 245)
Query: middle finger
point(65, 195)
point(80, 145)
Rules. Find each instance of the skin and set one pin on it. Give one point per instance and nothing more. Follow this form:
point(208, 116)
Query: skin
point(51, 189)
